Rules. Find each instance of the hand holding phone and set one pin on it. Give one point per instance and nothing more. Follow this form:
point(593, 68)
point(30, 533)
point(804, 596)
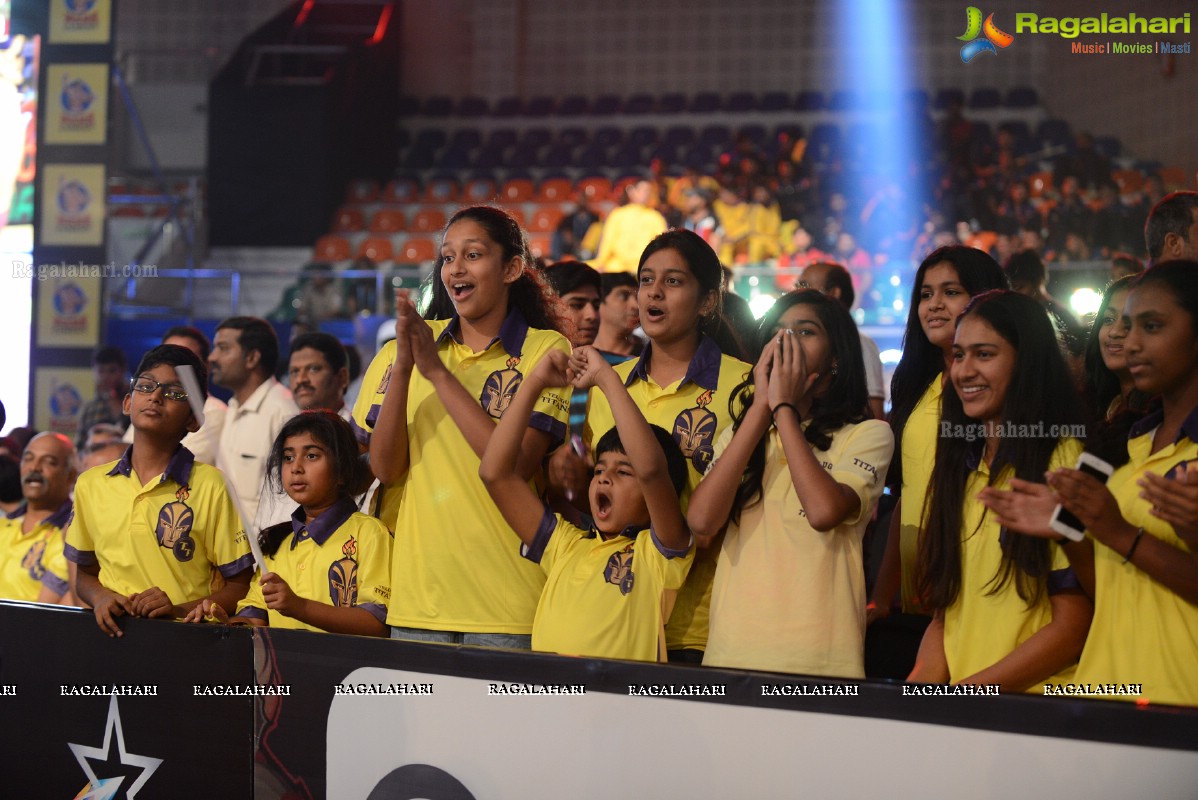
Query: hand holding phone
point(1065, 523)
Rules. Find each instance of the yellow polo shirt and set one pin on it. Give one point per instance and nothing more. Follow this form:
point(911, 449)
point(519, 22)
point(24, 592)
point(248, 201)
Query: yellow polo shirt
point(918, 451)
point(626, 232)
point(169, 533)
point(981, 628)
point(603, 598)
point(695, 411)
point(341, 558)
point(1142, 632)
point(786, 597)
point(456, 563)
point(29, 561)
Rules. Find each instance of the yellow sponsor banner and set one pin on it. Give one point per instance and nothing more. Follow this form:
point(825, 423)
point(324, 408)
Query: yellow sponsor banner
point(59, 394)
point(72, 204)
point(80, 21)
point(76, 103)
point(68, 308)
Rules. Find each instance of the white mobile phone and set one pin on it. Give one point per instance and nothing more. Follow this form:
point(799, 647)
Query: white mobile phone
point(1062, 521)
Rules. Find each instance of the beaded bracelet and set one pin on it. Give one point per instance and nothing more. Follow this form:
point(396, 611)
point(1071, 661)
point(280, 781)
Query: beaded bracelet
point(791, 406)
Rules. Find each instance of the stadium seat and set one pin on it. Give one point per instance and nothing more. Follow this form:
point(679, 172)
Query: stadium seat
point(572, 137)
point(716, 135)
point(540, 107)
point(540, 246)
point(574, 105)
point(363, 190)
point(672, 103)
point(1129, 181)
point(408, 106)
point(441, 189)
point(349, 219)
point(438, 106)
point(607, 136)
point(502, 138)
point(515, 212)
point(416, 250)
point(518, 190)
point(754, 133)
point(474, 107)
point(558, 156)
point(545, 219)
point(1022, 97)
point(508, 107)
point(845, 100)
point(536, 137)
point(554, 190)
point(1109, 146)
point(705, 103)
point(331, 248)
point(427, 220)
point(642, 136)
point(1174, 178)
point(741, 102)
point(640, 104)
point(480, 190)
point(775, 101)
point(387, 220)
point(1039, 183)
point(679, 135)
point(431, 139)
point(606, 104)
point(594, 188)
point(376, 248)
point(810, 101)
point(985, 97)
point(402, 190)
point(947, 97)
point(1055, 133)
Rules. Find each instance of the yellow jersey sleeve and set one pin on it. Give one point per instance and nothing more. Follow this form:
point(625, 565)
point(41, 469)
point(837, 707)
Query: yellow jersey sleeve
point(374, 388)
point(227, 541)
point(79, 543)
point(374, 565)
point(861, 462)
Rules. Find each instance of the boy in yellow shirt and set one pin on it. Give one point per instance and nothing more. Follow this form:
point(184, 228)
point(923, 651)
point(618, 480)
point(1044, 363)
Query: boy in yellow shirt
point(608, 590)
point(149, 529)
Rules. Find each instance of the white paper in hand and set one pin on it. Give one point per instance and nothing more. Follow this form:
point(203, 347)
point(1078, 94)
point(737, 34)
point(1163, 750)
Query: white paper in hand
point(250, 532)
point(191, 385)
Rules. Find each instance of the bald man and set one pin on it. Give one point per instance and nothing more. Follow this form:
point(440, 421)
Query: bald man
point(32, 566)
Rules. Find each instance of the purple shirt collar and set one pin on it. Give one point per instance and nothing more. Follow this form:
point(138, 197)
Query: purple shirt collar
point(178, 469)
point(704, 369)
point(62, 516)
point(320, 529)
point(511, 333)
point(1189, 428)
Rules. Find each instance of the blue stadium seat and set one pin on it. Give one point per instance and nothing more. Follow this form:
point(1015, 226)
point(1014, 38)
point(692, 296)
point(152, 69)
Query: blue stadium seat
point(1054, 132)
point(474, 107)
point(403, 138)
point(1020, 132)
point(536, 137)
point(490, 157)
point(540, 106)
point(740, 102)
point(438, 106)
point(607, 136)
point(755, 133)
point(917, 98)
point(606, 104)
point(408, 106)
point(810, 101)
point(775, 101)
point(1108, 146)
point(558, 156)
point(672, 103)
point(573, 106)
point(468, 138)
point(524, 156)
point(705, 103)
point(825, 144)
point(508, 107)
point(501, 138)
point(455, 158)
point(431, 138)
point(984, 98)
point(845, 100)
point(1022, 97)
point(947, 97)
point(643, 136)
point(679, 135)
point(640, 104)
point(716, 135)
point(592, 158)
point(628, 155)
point(572, 137)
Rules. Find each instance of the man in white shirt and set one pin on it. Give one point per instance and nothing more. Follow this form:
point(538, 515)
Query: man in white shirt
point(318, 373)
point(243, 360)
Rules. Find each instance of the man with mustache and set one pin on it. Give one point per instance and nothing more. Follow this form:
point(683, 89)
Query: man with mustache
point(32, 566)
point(319, 373)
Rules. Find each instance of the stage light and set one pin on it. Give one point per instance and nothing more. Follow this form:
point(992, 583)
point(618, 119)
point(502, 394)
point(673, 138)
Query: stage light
point(761, 304)
point(1085, 301)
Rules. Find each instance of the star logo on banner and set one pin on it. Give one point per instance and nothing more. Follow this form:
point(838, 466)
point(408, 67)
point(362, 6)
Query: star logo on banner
point(117, 767)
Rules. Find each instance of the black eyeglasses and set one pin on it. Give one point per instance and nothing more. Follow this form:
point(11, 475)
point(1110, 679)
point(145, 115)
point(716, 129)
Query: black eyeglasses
point(171, 391)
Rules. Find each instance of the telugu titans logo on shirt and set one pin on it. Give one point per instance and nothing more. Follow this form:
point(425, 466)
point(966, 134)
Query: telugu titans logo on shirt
point(174, 527)
point(618, 571)
point(32, 562)
point(500, 388)
point(343, 576)
point(694, 430)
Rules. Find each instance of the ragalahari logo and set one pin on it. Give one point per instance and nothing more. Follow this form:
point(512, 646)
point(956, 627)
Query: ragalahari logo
point(993, 37)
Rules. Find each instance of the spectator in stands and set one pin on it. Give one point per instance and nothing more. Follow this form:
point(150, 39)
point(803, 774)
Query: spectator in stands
point(318, 373)
point(848, 253)
point(109, 369)
point(1028, 276)
point(836, 282)
point(629, 228)
point(619, 317)
point(32, 566)
point(103, 453)
point(765, 225)
point(1125, 264)
point(1076, 250)
point(577, 287)
point(700, 219)
point(1090, 168)
point(201, 443)
point(639, 476)
point(243, 360)
point(571, 233)
point(156, 486)
point(1172, 229)
point(734, 216)
point(102, 433)
point(1069, 215)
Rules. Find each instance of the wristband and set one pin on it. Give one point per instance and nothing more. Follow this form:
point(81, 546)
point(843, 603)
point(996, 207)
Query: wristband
point(1134, 544)
point(791, 406)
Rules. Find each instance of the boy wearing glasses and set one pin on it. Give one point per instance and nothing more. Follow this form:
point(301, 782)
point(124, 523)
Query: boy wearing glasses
point(149, 529)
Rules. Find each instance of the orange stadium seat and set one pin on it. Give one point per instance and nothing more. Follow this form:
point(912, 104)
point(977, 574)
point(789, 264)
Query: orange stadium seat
point(415, 251)
point(540, 246)
point(349, 220)
point(387, 220)
point(441, 190)
point(517, 214)
point(1039, 183)
point(402, 190)
point(331, 248)
point(1128, 180)
point(427, 220)
point(595, 188)
point(362, 190)
point(517, 190)
point(545, 219)
point(377, 249)
point(554, 190)
point(1174, 178)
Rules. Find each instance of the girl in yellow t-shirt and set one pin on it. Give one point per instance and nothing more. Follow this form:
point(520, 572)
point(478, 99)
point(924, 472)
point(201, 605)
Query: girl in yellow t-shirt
point(1008, 608)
